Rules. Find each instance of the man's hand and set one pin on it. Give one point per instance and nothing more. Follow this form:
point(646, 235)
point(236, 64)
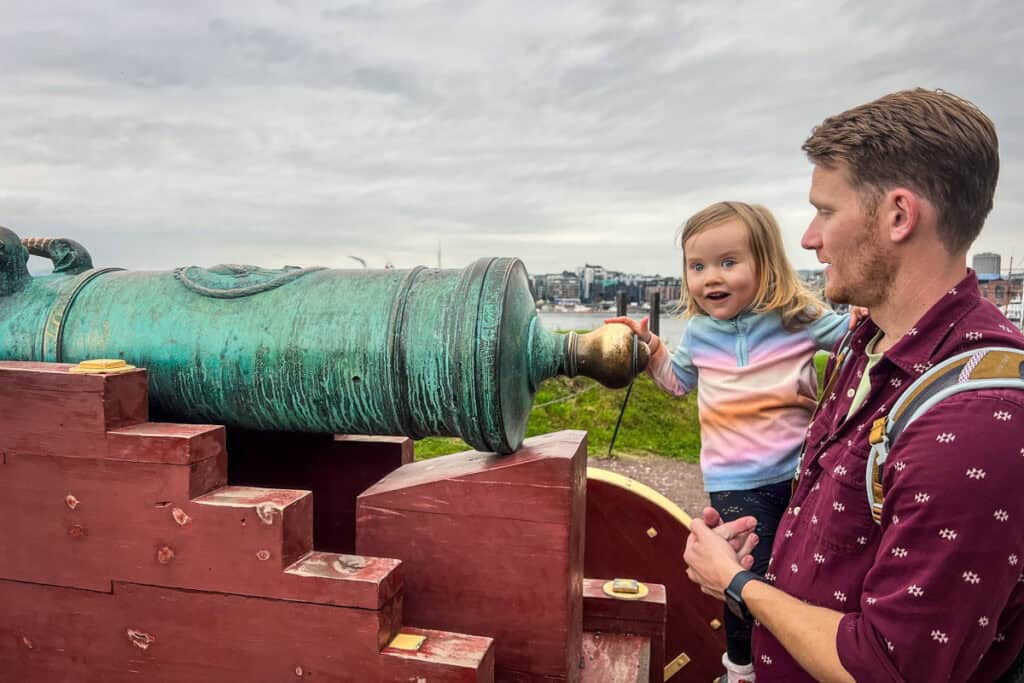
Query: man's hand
point(716, 551)
point(640, 329)
point(738, 532)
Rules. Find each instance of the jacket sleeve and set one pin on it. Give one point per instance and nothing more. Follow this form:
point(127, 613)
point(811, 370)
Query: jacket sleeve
point(674, 373)
point(950, 557)
point(828, 329)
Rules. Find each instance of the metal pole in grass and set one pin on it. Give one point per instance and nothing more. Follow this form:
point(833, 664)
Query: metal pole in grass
point(618, 422)
point(655, 315)
point(621, 304)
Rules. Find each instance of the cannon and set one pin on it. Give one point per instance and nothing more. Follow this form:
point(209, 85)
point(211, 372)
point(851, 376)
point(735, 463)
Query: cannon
point(292, 536)
point(418, 352)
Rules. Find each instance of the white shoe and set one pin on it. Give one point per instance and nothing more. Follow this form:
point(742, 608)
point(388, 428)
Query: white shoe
point(736, 673)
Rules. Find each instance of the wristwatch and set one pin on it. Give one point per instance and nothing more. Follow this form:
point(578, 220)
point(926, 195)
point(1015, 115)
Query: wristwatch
point(734, 593)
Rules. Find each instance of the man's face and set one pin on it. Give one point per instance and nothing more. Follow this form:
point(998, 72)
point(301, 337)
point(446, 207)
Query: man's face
point(847, 237)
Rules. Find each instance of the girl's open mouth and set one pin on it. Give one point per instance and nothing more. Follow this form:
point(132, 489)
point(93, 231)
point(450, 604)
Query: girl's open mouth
point(717, 296)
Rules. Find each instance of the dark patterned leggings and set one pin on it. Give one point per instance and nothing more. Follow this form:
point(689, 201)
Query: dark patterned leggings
point(767, 504)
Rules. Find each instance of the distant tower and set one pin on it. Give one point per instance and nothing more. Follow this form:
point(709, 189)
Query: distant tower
point(987, 263)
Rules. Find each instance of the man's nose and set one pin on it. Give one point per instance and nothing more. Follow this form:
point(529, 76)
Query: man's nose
point(812, 236)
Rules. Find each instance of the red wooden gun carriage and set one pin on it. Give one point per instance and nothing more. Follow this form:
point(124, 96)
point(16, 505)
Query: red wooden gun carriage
point(138, 550)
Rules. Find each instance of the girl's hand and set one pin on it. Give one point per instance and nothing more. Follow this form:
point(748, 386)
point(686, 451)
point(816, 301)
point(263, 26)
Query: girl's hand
point(857, 313)
point(640, 329)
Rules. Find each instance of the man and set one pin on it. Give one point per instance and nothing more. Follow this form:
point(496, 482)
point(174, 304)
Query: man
point(901, 186)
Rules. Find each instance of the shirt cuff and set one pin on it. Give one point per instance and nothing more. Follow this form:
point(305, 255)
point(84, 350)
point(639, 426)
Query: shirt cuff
point(863, 652)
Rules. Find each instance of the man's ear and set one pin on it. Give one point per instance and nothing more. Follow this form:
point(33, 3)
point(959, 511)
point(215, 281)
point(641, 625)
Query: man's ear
point(901, 211)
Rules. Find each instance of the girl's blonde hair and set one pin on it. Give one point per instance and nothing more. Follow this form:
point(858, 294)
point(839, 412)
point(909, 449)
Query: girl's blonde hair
point(778, 288)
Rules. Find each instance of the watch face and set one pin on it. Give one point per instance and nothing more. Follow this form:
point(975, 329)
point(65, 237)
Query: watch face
point(734, 594)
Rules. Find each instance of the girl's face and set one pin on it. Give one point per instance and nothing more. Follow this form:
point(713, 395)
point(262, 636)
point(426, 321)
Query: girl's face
point(721, 275)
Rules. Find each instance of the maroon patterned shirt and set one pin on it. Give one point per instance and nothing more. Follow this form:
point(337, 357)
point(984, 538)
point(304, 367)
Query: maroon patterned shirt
point(935, 592)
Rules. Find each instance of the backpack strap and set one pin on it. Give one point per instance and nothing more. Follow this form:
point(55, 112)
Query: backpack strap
point(841, 353)
point(987, 368)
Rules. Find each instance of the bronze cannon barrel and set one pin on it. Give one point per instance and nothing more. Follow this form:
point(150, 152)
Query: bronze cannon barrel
point(417, 352)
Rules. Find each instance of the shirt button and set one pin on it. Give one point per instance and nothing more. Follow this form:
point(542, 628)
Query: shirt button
point(796, 510)
point(850, 393)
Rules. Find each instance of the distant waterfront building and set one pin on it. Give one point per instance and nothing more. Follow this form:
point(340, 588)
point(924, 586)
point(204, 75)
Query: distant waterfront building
point(563, 287)
point(987, 263)
point(670, 289)
point(635, 286)
point(593, 284)
point(1000, 291)
point(539, 287)
point(592, 280)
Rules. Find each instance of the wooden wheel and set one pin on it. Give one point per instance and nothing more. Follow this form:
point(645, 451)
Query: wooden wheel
point(635, 532)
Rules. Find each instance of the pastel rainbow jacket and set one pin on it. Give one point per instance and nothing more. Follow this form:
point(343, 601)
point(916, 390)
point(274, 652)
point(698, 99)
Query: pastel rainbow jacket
point(756, 390)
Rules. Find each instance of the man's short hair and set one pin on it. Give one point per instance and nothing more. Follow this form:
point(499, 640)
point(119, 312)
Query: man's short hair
point(932, 142)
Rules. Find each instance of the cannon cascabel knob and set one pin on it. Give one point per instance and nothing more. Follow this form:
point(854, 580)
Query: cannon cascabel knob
point(611, 354)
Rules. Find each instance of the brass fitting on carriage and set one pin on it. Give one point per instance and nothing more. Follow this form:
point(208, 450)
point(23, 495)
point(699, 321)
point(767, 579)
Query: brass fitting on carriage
point(611, 354)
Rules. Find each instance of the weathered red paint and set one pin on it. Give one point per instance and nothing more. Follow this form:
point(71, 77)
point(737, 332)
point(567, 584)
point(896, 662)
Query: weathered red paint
point(148, 633)
point(52, 408)
point(174, 444)
point(615, 657)
point(643, 616)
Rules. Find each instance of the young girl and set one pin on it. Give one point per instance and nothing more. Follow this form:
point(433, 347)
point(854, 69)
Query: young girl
point(748, 349)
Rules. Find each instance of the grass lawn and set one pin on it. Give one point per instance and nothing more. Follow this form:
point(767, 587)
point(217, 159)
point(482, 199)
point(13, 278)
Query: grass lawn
point(654, 422)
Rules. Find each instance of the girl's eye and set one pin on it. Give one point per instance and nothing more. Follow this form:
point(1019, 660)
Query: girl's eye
point(728, 263)
point(698, 267)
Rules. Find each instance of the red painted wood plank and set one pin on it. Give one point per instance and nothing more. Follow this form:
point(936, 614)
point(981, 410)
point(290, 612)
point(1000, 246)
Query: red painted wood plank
point(493, 546)
point(50, 376)
point(84, 523)
point(476, 484)
point(644, 616)
point(544, 451)
point(45, 410)
point(440, 654)
point(597, 603)
point(158, 634)
point(615, 658)
point(177, 444)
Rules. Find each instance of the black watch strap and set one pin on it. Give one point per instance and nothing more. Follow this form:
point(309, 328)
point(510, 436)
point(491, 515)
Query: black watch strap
point(734, 593)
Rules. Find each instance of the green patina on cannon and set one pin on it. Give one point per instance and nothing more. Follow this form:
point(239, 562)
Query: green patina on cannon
point(420, 352)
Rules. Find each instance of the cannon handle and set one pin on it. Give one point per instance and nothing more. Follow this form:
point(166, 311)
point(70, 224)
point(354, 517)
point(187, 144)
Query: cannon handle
point(68, 256)
point(611, 354)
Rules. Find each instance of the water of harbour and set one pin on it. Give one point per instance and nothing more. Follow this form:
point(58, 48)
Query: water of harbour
point(671, 327)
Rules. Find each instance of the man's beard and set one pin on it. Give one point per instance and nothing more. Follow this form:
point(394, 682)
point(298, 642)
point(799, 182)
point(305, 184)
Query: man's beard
point(868, 272)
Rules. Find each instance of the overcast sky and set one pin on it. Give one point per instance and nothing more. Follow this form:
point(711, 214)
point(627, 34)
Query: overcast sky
point(561, 132)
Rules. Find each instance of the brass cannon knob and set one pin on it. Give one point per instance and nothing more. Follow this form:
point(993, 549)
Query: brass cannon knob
point(611, 354)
